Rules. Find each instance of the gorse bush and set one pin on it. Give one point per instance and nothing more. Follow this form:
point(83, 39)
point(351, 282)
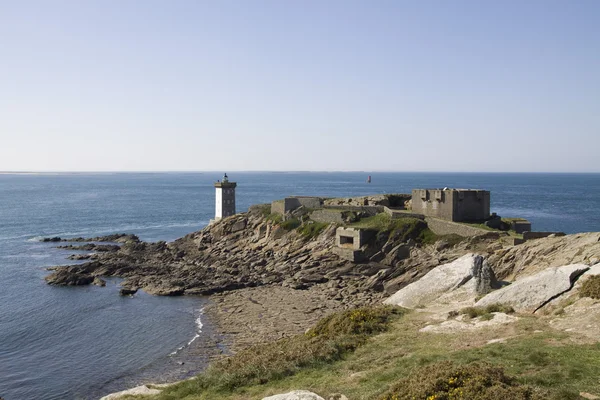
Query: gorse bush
point(360, 321)
point(485, 312)
point(591, 287)
point(447, 381)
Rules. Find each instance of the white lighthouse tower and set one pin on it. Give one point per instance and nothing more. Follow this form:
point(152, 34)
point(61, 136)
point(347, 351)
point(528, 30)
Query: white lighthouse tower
point(224, 198)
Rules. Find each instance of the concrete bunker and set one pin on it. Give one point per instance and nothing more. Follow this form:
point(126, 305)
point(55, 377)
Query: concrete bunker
point(458, 205)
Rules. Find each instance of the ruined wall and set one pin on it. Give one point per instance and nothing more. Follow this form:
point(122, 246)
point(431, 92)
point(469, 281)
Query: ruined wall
point(396, 214)
point(539, 235)
point(442, 227)
point(328, 216)
point(390, 200)
point(291, 203)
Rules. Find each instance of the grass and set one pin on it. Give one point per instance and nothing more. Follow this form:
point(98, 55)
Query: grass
point(537, 356)
point(312, 229)
point(591, 287)
point(329, 341)
point(402, 228)
point(290, 224)
point(274, 217)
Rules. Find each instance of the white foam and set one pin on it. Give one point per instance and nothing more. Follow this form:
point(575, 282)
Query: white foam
point(199, 326)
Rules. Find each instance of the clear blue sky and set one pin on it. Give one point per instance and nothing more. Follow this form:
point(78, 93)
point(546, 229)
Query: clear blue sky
point(118, 85)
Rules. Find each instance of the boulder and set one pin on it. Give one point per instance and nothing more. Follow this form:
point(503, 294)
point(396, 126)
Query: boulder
point(163, 289)
point(239, 226)
point(594, 270)
point(99, 281)
point(295, 395)
point(126, 291)
point(51, 240)
point(63, 277)
point(138, 390)
point(530, 293)
point(399, 252)
point(469, 273)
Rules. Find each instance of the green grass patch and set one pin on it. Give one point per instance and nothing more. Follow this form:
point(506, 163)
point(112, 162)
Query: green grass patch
point(312, 229)
point(290, 224)
point(401, 228)
point(591, 287)
point(274, 217)
point(537, 357)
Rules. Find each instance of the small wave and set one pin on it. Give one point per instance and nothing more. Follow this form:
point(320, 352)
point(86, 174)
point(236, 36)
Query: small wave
point(196, 336)
point(199, 326)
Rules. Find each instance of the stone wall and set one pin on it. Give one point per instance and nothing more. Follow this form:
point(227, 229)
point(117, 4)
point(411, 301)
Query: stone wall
point(370, 210)
point(291, 203)
point(442, 227)
point(390, 200)
point(396, 214)
point(328, 216)
point(539, 235)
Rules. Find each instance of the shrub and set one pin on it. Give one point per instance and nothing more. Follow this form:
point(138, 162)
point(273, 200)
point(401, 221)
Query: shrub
point(360, 321)
point(474, 312)
point(591, 287)
point(447, 381)
point(274, 217)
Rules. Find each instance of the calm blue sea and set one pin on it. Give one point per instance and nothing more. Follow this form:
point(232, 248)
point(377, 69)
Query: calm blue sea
point(84, 342)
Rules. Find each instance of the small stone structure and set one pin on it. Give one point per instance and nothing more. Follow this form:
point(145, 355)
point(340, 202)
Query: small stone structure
point(520, 226)
point(224, 198)
point(291, 203)
point(458, 205)
point(352, 238)
point(349, 242)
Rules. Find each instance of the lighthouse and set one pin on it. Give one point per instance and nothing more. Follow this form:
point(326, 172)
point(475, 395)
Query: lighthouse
point(224, 198)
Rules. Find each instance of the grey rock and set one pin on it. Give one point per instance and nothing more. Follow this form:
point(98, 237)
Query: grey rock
point(295, 395)
point(446, 278)
point(99, 281)
point(530, 293)
point(65, 277)
point(125, 291)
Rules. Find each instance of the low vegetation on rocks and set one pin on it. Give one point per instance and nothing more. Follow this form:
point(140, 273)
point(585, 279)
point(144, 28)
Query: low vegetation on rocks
point(312, 229)
point(486, 312)
point(447, 381)
point(591, 287)
point(379, 354)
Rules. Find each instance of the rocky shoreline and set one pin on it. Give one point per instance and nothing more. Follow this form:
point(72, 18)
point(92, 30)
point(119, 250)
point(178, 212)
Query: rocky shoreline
point(266, 280)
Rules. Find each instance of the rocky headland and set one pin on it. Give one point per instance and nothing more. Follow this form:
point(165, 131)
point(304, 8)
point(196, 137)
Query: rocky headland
point(271, 277)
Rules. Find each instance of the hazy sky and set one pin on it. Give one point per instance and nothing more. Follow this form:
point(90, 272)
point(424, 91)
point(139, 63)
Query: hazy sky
point(116, 85)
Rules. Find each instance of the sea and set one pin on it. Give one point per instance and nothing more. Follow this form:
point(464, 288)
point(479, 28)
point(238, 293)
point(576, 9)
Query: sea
point(85, 342)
